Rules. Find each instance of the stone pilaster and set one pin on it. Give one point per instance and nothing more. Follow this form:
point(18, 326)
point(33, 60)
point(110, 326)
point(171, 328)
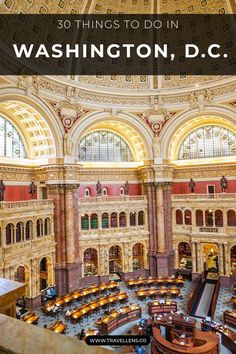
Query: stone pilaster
point(68, 266)
point(151, 214)
point(194, 263)
point(160, 218)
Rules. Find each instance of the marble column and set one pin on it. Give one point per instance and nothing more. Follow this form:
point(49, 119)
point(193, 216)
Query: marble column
point(152, 225)
point(221, 259)
point(227, 260)
point(198, 259)
point(68, 264)
point(160, 218)
point(194, 265)
point(176, 256)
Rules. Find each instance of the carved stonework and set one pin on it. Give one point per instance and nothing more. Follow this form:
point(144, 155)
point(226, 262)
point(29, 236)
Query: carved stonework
point(69, 113)
point(156, 118)
point(200, 99)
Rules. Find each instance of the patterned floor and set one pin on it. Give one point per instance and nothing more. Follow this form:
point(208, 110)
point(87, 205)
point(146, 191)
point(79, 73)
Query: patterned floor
point(89, 323)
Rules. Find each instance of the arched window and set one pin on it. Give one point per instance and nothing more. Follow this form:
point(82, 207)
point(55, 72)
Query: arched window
point(140, 218)
point(122, 191)
point(208, 141)
point(19, 231)
point(84, 222)
point(87, 192)
point(28, 230)
point(231, 218)
point(9, 234)
point(11, 142)
point(104, 146)
point(199, 218)
point(105, 221)
point(179, 217)
point(187, 217)
point(113, 220)
point(132, 218)
point(218, 218)
point(122, 219)
point(47, 226)
point(104, 191)
point(39, 227)
point(94, 221)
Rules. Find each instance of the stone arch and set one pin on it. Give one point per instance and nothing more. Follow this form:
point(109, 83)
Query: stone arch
point(38, 124)
point(139, 255)
point(115, 259)
point(45, 272)
point(22, 274)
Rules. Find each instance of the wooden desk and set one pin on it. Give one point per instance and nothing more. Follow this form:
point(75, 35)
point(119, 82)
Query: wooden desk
point(90, 307)
point(119, 318)
point(230, 318)
point(203, 343)
point(159, 281)
point(156, 307)
point(228, 337)
point(58, 327)
point(91, 332)
point(174, 292)
point(31, 318)
point(78, 294)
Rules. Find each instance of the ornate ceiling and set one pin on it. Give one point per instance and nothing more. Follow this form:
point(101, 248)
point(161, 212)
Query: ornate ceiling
point(144, 83)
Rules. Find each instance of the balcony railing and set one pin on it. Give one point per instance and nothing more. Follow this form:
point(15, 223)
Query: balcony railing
point(26, 204)
point(107, 199)
point(205, 196)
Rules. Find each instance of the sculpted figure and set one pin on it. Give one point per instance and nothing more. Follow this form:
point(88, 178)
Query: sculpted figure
point(67, 144)
point(156, 146)
point(32, 189)
point(99, 188)
point(192, 185)
point(126, 188)
point(2, 190)
point(223, 183)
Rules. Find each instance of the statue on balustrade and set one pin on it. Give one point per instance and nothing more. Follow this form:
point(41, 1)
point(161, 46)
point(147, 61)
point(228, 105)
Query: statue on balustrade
point(99, 188)
point(32, 189)
point(192, 185)
point(2, 190)
point(223, 183)
point(126, 188)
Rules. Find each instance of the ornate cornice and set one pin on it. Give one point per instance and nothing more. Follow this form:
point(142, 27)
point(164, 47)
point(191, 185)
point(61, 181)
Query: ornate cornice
point(54, 88)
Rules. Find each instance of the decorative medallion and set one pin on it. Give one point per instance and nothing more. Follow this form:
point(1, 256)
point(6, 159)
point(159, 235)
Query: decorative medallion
point(69, 113)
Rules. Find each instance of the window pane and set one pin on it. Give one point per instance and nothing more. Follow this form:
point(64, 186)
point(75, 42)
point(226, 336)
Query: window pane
point(208, 141)
point(104, 146)
point(11, 144)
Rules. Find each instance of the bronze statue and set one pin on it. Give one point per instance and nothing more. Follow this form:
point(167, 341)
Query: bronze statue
point(223, 183)
point(192, 185)
point(2, 190)
point(32, 189)
point(126, 188)
point(99, 188)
